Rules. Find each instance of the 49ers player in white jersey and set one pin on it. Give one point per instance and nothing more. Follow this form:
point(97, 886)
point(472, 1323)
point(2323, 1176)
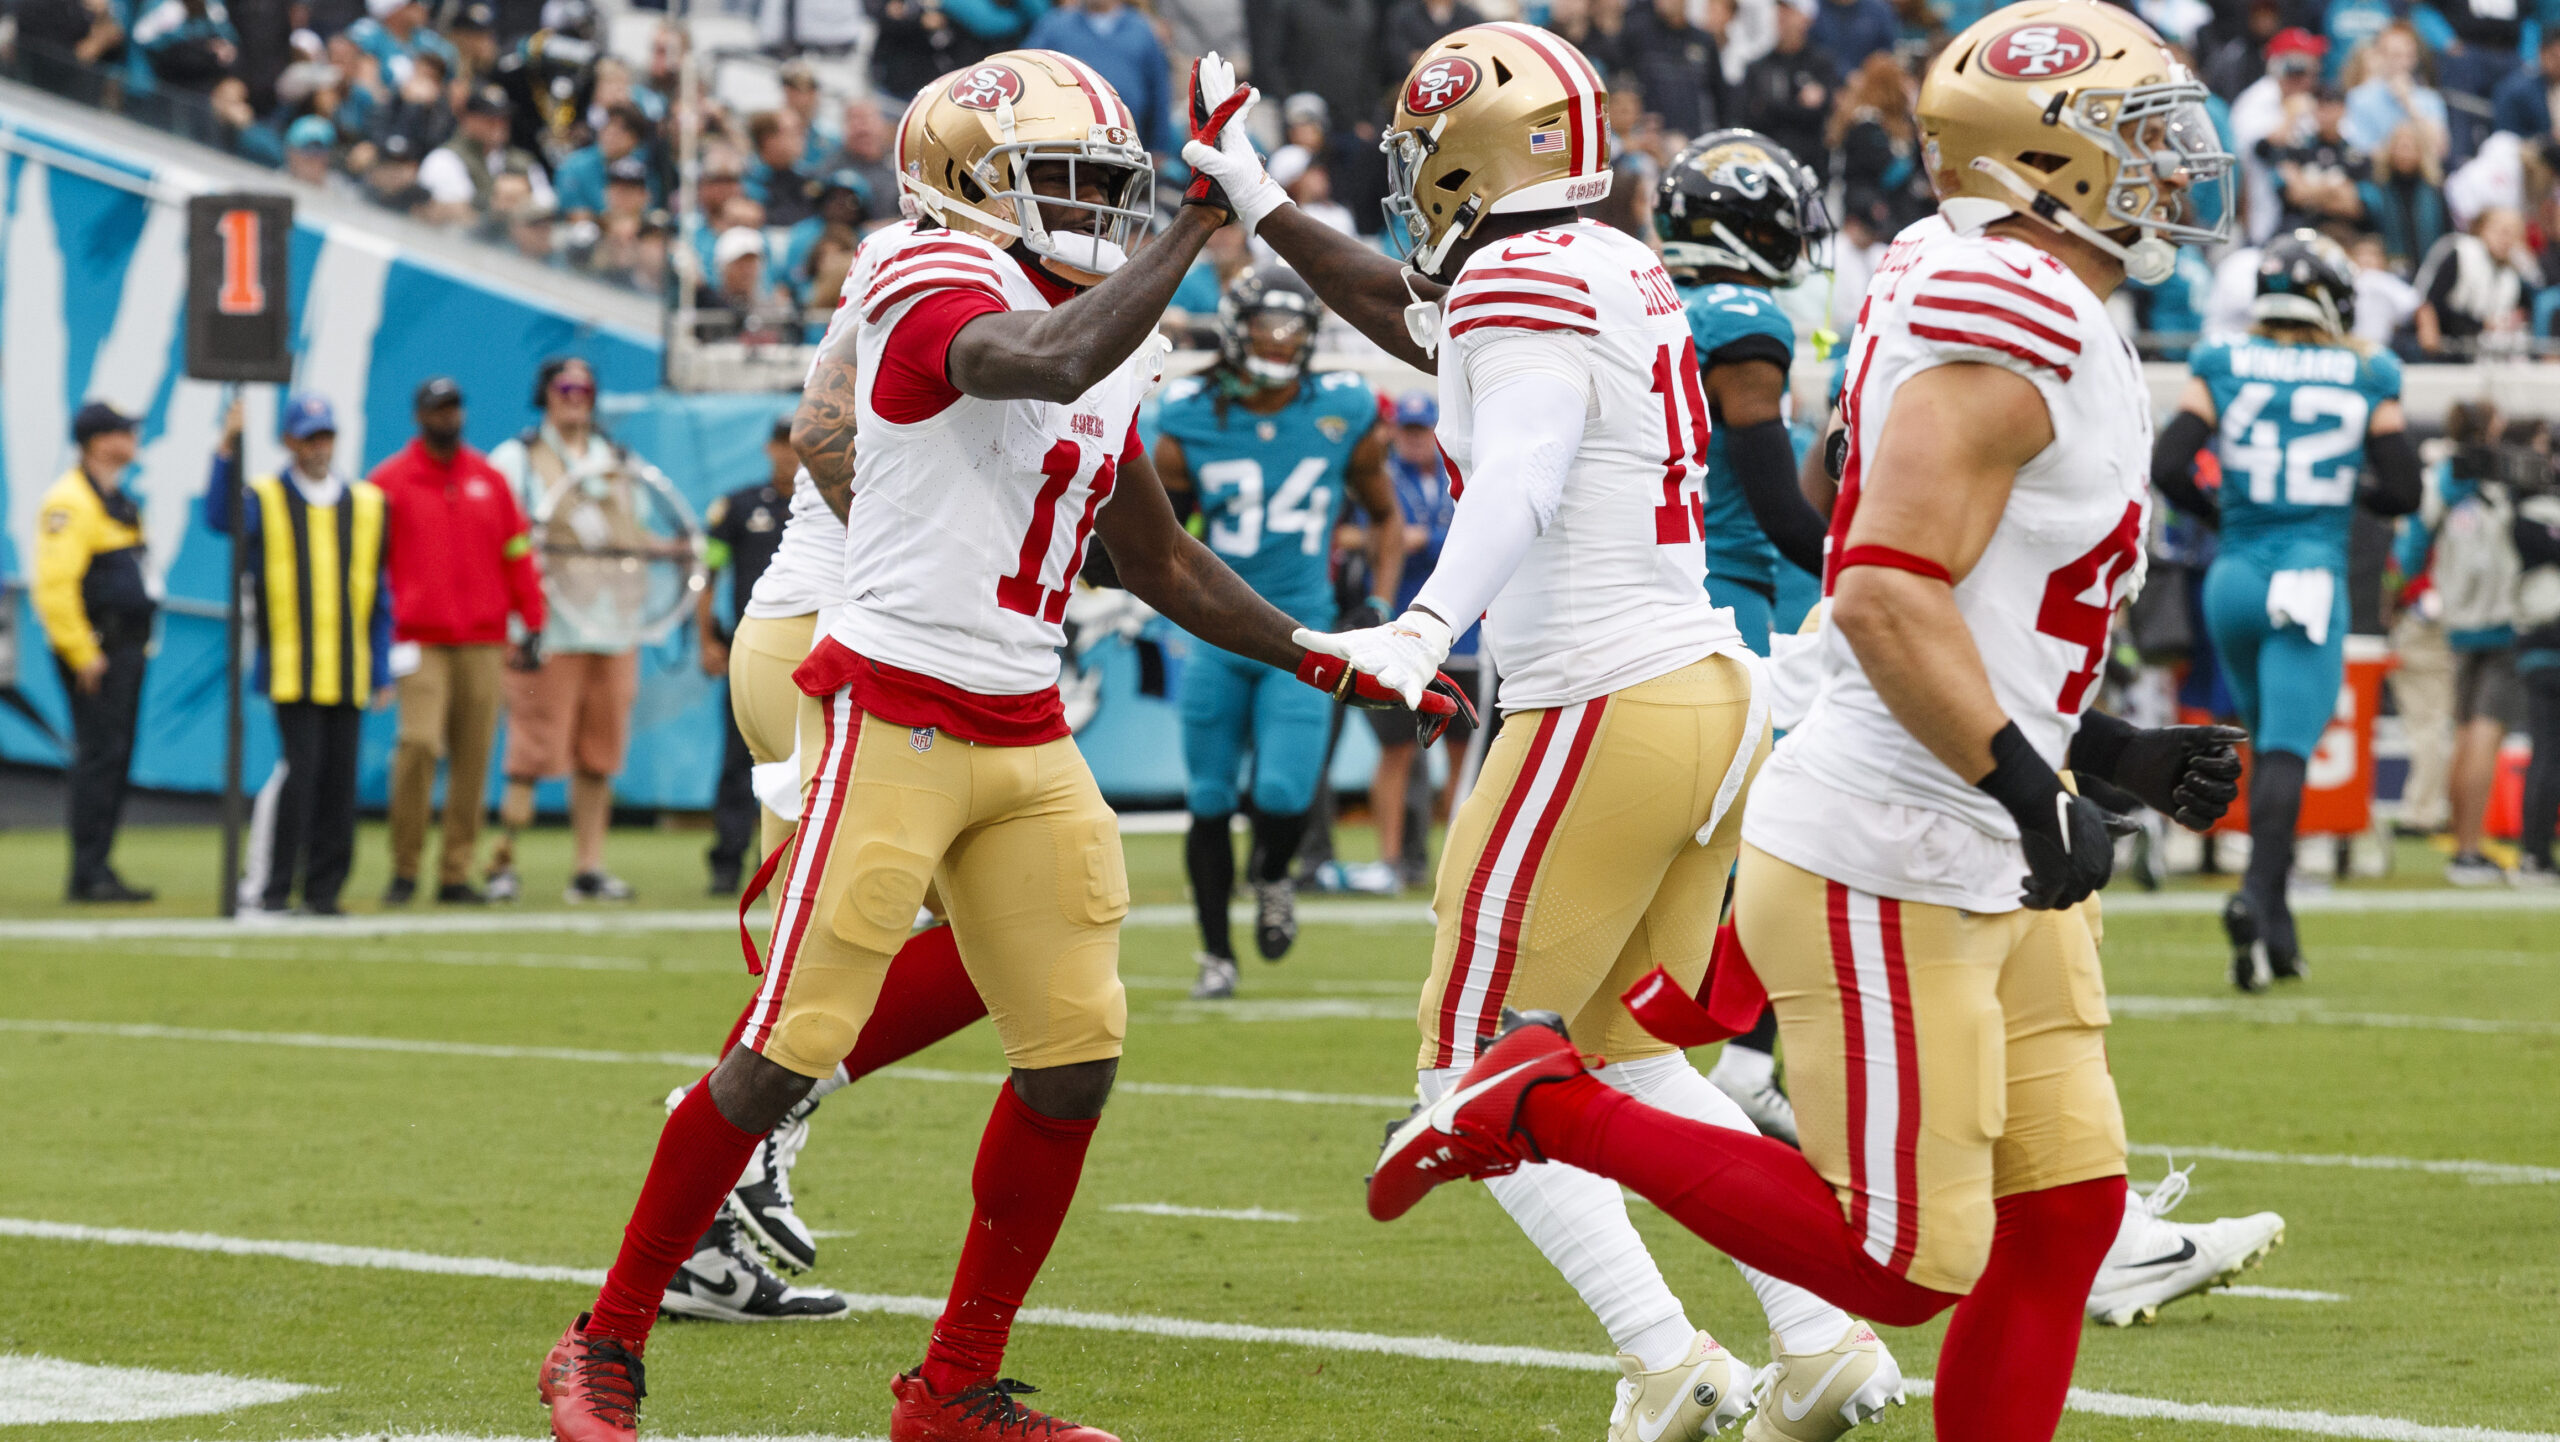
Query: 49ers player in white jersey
point(1596, 844)
point(996, 356)
point(1915, 881)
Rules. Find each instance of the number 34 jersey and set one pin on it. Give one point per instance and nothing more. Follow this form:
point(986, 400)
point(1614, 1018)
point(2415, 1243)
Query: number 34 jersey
point(1613, 590)
point(1851, 794)
point(970, 516)
point(1271, 486)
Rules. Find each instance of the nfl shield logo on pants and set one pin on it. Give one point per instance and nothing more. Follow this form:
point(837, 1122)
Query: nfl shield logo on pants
point(921, 738)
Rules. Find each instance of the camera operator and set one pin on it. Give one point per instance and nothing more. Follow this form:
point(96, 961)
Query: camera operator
point(2476, 571)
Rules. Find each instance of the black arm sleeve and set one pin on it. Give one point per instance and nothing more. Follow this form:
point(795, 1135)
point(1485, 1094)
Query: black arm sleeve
point(1764, 458)
point(2395, 487)
point(2173, 466)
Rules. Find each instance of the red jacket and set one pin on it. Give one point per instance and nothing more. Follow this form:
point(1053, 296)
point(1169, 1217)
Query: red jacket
point(461, 555)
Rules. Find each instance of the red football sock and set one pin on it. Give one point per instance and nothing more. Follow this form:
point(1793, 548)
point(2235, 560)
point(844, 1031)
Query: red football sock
point(699, 1157)
point(1757, 1201)
point(1026, 1175)
point(2005, 1366)
point(927, 996)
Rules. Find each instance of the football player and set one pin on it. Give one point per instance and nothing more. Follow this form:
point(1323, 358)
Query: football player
point(1915, 876)
point(1597, 842)
point(997, 351)
point(2301, 407)
point(1738, 216)
point(1267, 453)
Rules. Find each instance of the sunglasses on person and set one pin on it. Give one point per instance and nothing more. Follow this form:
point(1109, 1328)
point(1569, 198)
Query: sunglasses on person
point(573, 388)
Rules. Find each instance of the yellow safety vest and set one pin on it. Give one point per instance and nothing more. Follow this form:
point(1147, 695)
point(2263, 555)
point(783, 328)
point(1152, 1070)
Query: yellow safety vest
point(322, 567)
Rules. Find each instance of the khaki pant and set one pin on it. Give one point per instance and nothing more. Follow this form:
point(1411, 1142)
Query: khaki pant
point(1938, 1059)
point(2422, 687)
point(1017, 838)
point(1574, 867)
point(766, 702)
point(448, 712)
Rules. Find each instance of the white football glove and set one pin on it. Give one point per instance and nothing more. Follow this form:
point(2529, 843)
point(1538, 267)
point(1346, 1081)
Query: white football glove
point(1232, 162)
point(1404, 655)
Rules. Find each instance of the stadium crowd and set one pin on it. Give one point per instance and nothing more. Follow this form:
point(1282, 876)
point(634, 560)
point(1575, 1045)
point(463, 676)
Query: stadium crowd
point(2419, 137)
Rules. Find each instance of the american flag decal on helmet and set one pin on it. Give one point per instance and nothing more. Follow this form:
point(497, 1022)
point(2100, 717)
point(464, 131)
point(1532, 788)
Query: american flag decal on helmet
point(1547, 142)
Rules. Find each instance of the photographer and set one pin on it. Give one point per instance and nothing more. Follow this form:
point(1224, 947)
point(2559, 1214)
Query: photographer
point(2476, 571)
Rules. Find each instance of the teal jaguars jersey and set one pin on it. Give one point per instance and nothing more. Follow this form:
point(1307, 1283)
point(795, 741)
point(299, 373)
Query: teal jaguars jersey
point(1736, 323)
point(2291, 436)
point(1271, 487)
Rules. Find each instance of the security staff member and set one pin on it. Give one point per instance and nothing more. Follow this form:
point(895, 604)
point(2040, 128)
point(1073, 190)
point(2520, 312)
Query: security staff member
point(316, 548)
point(95, 601)
point(744, 526)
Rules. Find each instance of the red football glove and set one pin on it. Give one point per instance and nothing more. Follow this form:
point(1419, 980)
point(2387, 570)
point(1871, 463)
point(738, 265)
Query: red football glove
point(1443, 701)
point(1206, 126)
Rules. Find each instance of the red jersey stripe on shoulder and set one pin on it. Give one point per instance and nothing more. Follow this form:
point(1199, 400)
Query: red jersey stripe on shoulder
point(1516, 272)
point(928, 286)
point(1463, 300)
point(950, 245)
point(2010, 284)
point(933, 265)
point(1991, 342)
point(1999, 313)
point(1519, 322)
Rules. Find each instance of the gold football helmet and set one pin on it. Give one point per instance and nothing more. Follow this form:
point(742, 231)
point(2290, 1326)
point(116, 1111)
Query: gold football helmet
point(1494, 119)
point(2075, 113)
point(969, 140)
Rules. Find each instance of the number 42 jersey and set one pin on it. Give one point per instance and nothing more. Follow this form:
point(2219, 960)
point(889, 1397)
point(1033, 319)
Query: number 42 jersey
point(1852, 795)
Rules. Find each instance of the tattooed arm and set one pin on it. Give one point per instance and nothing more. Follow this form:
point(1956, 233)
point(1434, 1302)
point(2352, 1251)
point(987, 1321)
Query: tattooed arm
point(1162, 565)
point(822, 429)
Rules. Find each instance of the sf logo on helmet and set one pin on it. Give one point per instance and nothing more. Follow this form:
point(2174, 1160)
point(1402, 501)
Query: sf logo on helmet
point(1442, 83)
point(985, 87)
point(2039, 52)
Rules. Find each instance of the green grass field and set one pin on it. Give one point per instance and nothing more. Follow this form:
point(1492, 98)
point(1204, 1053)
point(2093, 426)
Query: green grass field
point(233, 1103)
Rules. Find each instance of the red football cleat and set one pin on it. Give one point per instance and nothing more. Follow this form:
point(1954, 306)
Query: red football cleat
point(1468, 1134)
point(985, 1412)
point(592, 1384)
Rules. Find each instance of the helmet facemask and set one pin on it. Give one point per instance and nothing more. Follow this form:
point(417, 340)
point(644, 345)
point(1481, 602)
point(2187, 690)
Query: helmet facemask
point(1256, 318)
point(1407, 151)
point(2153, 135)
point(1100, 242)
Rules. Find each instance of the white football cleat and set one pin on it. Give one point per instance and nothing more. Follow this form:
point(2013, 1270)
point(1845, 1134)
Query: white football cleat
point(1699, 1396)
point(2156, 1261)
point(1819, 1396)
point(1750, 1078)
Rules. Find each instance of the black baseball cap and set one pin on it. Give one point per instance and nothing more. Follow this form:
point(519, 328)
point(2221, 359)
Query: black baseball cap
point(782, 429)
point(478, 15)
point(629, 170)
point(487, 100)
point(438, 392)
point(96, 419)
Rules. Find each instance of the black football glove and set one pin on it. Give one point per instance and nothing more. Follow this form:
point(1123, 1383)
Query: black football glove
point(2190, 774)
point(2069, 840)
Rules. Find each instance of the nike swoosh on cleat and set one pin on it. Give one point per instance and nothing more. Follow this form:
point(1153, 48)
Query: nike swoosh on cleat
point(1650, 1429)
point(1796, 1405)
point(2186, 1250)
point(732, 1294)
point(1451, 1104)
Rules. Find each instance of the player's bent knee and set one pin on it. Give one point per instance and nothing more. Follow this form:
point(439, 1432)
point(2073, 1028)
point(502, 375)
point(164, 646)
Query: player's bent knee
point(1954, 1249)
point(1070, 1093)
point(753, 1092)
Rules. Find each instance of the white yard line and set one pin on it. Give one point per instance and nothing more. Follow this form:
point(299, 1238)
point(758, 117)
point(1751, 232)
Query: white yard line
point(1435, 1349)
point(2281, 1013)
point(2281, 1294)
point(1313, 909)
point(36, 1390)
point(2502, 1172)
point(1220, 1214)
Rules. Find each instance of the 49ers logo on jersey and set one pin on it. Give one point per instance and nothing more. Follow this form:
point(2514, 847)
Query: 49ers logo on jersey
point(1442, 83)
point(984, 87)
point(2039, 52)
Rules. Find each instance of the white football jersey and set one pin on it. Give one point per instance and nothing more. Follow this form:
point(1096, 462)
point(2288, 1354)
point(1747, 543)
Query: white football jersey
point(806, 573)
point(1613, 591)
point(967, 528)
point(1852, 795)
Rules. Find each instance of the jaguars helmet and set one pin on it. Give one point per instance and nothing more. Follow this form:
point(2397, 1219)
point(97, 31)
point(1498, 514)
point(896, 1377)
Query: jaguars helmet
point(1495, 119)
point(2075, 113)
point(1736, 200)
point(969, 140)
point(2305, 278)
point(1274, 300)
